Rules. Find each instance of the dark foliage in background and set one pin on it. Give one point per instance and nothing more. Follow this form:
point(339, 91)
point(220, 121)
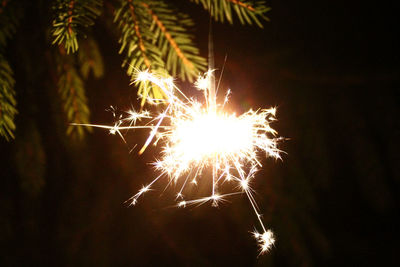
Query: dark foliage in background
point(332, 70)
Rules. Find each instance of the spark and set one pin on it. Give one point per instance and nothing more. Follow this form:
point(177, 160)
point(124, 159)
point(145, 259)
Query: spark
point(244, 184)
point(195, 137)
point(134, 115)
point(266, 240)
point(203, 82)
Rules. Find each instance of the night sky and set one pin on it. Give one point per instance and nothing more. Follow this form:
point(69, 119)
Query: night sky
point(331, 68)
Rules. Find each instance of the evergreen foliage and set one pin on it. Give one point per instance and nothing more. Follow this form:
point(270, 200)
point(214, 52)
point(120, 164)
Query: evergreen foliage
point(247, 11)
point(10, 14)
point(9, 17)
point(71, 17)
point(170, 34)
point(153, 35)
point(71, 83)
point(90, 59)
point(136, 42)
point(7, 100)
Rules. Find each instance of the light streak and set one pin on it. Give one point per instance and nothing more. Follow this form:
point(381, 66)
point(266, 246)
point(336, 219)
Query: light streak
point(196, 136)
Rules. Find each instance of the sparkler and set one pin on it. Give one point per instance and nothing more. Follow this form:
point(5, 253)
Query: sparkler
point(196, 136)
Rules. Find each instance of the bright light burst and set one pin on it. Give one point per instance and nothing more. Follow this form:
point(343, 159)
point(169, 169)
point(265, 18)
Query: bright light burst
point(196, 137)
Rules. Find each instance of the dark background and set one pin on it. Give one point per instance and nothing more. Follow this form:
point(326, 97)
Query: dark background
point(331, 67)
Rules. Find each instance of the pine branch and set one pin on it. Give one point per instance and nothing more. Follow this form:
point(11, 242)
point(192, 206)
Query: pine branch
point(150, 92)
point(7, 100)
point(154, 36)
point(10, 14)
point(72, 93)
point(136, 38)
point(134, 23)
point(248, 12)
point(72, 16)
point(90, 59)
point(171, 36)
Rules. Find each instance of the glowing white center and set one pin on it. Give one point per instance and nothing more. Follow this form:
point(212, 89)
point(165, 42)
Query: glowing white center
point(208, 135)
